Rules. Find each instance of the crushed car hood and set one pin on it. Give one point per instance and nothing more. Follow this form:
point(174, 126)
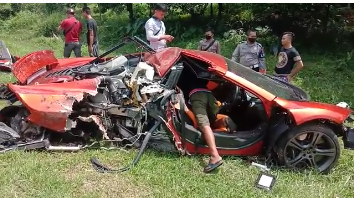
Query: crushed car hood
point(31, 63)
point(163, 60)
point(43, 60)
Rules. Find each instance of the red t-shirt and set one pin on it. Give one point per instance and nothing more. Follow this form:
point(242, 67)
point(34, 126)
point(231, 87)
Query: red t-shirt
point(74, 34)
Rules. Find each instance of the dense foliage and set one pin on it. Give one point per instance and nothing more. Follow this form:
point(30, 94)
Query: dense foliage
point(321, 28)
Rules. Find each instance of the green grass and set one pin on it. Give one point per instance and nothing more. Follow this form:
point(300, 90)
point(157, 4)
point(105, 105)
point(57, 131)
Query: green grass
point(43, 174)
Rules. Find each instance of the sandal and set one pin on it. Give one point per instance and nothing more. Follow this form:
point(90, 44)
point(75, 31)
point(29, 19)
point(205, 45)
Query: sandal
point(211, 167)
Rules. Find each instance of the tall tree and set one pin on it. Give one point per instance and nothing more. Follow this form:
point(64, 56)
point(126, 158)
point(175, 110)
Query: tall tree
point(129, 7)
point(211, 10)
point(220, 10)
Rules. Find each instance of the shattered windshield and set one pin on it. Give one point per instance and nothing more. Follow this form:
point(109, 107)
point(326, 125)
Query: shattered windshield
point(272, 86)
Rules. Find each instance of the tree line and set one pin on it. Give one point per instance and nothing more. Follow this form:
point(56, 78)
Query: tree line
point(319, 25)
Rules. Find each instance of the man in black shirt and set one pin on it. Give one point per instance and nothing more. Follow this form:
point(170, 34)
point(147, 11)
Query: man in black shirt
point(287, 58)
point(91, 25)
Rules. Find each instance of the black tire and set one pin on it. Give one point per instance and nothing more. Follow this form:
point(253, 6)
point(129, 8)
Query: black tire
point(306, 150)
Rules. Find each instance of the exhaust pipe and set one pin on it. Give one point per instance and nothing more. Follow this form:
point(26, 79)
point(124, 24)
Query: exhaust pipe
point(50, 147)
point(63, 148)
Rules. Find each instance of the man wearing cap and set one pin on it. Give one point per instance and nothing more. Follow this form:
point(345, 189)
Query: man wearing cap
point(250, 53)
point(71, 28)
point(155, 29)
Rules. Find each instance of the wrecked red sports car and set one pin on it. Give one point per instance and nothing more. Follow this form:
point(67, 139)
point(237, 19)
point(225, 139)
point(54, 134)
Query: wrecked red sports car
point(136, 100)
point(6, 59)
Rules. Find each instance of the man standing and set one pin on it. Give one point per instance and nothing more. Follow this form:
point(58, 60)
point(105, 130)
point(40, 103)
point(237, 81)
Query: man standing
point(209, 44)
point(250, 53)
point(287, 58)
point(91, 35)
point(155, 28)
point(71, 28)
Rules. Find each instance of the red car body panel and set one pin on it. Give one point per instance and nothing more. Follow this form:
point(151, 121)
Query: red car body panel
point(33, 62)
point(165, 59)
point(51, 104)
point(303, 112)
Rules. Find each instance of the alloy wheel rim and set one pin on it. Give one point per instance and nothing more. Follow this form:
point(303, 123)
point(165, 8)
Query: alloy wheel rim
point(310, 149)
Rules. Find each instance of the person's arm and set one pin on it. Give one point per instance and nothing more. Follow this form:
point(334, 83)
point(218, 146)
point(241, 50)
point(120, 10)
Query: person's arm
point(149, 28)
point(261, 57)
point(80, 27)
point(218, 47)
point(199, 45)
point(236, 54)
point(91, 32)
point(299, 64)
point(61, 26)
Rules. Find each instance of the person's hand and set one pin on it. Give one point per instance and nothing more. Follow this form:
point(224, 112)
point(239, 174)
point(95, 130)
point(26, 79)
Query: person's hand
point(90, 49)
point(262, 71)
point(170, 39)
point(289, 78)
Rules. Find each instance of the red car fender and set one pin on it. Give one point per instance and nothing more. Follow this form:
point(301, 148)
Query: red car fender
point(51, 104)
point(303, 112)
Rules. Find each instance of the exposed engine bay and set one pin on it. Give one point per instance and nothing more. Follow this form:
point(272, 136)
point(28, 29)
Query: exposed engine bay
point(116, 114)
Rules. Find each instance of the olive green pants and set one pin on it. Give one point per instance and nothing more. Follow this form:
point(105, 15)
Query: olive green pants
point(205, 107)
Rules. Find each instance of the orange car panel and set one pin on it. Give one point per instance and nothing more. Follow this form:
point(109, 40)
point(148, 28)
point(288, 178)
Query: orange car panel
point(303, 112)
point(51, 104)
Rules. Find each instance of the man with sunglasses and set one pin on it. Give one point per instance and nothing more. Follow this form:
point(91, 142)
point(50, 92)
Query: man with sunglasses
point(155, 29)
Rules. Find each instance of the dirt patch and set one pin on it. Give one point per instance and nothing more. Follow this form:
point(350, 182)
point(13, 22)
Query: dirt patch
point(92, 184)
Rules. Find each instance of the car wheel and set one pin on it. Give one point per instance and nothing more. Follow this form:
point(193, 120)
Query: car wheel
point(309, 146)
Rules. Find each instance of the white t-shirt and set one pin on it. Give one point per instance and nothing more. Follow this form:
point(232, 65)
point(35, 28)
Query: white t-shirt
point(155, 28)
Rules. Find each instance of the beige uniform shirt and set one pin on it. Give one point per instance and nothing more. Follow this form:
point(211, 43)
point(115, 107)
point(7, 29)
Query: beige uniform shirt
point(215, 48)
point(249, 55)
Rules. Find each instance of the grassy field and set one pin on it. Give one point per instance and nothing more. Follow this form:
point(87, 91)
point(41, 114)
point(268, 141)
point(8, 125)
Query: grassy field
point(42, 174)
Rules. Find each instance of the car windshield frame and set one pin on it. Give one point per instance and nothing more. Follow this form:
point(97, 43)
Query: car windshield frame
point(125, 41)
point(263, 81)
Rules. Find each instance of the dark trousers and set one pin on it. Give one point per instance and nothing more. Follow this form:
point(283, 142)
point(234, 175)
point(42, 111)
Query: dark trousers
point(95, 49)
point(68, 47)
point(257, 69)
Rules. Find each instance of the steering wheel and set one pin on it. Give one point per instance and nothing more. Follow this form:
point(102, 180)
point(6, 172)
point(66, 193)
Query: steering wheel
point(239, 96)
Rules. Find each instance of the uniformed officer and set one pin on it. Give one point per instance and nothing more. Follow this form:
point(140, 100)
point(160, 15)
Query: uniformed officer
point(155, 29)
point(209, 44)
point(250, 53)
